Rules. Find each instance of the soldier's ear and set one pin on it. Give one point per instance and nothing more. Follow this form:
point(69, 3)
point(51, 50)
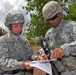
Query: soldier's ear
point(60, 14)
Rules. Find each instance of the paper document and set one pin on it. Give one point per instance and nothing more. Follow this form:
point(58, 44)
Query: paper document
point(43, 65)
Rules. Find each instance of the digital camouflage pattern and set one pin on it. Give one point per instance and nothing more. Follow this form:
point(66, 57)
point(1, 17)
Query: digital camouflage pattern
point(64, 36)
point(14, 17)
point(50, 9)
point(13, 51)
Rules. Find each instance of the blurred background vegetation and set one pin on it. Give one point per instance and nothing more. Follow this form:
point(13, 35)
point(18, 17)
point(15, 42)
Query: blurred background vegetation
point(37, 26)
point(2, 32)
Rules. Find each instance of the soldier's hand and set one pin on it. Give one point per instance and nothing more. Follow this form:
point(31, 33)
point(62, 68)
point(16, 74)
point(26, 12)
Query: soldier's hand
point(39, 58)
point(26, 65)
point(46, 56)
point(57, 53)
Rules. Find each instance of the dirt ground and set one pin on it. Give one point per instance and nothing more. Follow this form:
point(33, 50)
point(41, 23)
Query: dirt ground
point(37, 71)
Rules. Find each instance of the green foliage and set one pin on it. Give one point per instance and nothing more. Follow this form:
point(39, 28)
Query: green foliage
point(38, 42)
point(32, 41)
point(1, 33)
point(72, 12)
point(38, 26)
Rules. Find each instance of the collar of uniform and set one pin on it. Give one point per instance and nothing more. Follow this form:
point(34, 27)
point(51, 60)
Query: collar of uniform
point(12, 36)
point(59, 26)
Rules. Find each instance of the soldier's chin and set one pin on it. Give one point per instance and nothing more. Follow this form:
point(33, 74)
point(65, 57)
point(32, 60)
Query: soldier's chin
point(17, 34)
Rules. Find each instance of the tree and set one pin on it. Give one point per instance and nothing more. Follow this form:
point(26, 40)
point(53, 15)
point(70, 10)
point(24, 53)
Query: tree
point(37, 25)
point(2, 32)
point(71, 11)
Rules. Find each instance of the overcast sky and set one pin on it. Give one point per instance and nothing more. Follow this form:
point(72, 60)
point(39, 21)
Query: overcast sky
point(7, 5)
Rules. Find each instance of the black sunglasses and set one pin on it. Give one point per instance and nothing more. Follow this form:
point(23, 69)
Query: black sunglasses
point(53, 18)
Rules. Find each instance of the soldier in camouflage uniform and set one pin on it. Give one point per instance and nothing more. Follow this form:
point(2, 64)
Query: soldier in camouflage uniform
point(15, 53)
point(60, 38)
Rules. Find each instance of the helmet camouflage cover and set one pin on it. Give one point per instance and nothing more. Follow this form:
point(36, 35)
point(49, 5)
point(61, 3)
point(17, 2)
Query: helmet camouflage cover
point(50, 9)
point(14, 17)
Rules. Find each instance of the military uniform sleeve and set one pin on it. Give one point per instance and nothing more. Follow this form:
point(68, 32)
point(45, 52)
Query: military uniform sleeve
point(6, 63)
point(31, 54)
point(70, 48)
point(41, 51)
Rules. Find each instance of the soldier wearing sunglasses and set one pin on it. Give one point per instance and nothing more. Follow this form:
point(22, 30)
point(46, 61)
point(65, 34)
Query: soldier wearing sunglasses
point(60, 38)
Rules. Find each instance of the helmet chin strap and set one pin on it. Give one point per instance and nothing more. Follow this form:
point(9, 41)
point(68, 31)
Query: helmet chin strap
point(60, 17)
point(10, 27)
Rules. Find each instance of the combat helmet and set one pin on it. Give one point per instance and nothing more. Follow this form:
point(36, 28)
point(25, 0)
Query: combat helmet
point(50, 9)
point(14, 17)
